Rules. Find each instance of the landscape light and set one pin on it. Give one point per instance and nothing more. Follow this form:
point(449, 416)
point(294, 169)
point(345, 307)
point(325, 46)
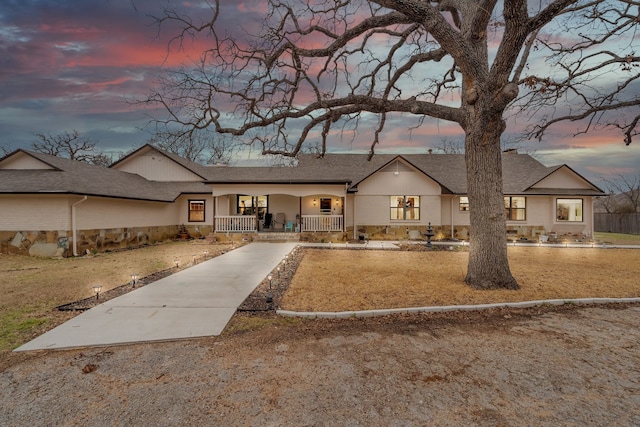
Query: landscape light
point(134, 279)
point(270, 277)
point(97, 289)
point(204, 254)
point(176, 262)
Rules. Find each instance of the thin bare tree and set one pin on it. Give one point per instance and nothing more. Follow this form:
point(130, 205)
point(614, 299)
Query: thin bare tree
point(624, 194)
point(202, 146)
point(5, 150)
point(317, 68)
point(70, 145)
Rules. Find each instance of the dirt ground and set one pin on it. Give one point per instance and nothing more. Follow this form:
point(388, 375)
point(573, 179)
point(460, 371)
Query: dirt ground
point(569, 366)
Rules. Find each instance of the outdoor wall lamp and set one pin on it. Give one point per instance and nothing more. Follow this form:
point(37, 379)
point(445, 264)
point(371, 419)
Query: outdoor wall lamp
point(97, 289)
point(314, 202)
point(134, 279)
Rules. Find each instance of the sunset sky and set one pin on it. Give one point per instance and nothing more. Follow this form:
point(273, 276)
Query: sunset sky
point(73, 64)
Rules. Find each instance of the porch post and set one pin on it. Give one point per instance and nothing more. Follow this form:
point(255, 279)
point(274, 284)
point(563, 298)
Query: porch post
point(344, 213)
point(355, 226)
point(215, 212)
point(451, 209)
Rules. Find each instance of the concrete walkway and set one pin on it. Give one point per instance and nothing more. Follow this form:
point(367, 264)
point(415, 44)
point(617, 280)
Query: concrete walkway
point(195, 302)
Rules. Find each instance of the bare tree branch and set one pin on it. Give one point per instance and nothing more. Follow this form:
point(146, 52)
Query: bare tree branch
point(70, 145)
point(320, 68)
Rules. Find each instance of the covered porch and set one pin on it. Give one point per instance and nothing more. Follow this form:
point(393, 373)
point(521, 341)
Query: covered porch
point(263, 208)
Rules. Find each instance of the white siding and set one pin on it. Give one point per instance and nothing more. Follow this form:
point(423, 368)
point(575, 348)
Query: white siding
point(35, 213)
point(376, 210)
point(562, 178)
point(155, 166)
point(390, 184)
point(23, 161)
point(372, 202)
point(100, 213)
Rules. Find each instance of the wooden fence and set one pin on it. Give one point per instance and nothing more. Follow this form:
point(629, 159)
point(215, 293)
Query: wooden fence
point(617, 223)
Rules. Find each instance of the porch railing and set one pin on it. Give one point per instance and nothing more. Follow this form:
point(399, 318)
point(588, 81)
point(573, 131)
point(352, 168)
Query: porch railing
point(322, 222)
point(236, 223)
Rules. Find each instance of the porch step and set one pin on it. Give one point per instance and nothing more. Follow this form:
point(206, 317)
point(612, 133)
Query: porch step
point(266, 237)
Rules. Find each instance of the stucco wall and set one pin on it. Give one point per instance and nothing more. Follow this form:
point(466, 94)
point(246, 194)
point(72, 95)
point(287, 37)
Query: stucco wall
point(288, 205)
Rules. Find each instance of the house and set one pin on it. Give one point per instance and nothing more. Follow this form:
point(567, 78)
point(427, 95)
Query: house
point(53, 204)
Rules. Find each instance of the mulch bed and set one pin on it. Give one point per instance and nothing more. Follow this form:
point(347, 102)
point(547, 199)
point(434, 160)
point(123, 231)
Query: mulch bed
point(266, 297)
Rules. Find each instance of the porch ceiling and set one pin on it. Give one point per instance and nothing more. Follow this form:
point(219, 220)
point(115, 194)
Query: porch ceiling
point(296, 190)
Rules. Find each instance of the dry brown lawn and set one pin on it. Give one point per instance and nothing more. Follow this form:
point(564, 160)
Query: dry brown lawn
point(31, 287)
point(327, 280)
point(339, 280)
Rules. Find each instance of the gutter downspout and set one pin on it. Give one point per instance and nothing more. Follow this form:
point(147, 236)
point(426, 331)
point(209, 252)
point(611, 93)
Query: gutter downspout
point(593, 220)
point(451, 212)
point(74, 225)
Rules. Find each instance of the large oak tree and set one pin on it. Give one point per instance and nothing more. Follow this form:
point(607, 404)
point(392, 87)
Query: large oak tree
point(316, 67)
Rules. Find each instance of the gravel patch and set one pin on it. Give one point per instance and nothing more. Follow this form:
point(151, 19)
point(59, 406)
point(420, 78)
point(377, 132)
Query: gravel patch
point(544, 366)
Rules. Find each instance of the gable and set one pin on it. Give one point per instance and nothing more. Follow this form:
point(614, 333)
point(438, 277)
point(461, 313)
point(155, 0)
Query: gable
point(155, 166)
point(563, 178)
point(398, 178)
point(22, 161)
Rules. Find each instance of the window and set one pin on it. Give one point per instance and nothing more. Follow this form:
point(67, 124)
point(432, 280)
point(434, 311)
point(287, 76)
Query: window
point(464, 203)
point(514, 208)
point(405, 207)
point(325, 206)
point(196, 210)
point(250, 205)
point(569, 210)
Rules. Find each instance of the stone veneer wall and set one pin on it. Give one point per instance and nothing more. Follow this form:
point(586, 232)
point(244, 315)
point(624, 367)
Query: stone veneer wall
point(393, 233)
point(461, 232)
point(60, 243)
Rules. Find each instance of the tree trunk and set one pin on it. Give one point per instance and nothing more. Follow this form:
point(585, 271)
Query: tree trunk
point(488, 264)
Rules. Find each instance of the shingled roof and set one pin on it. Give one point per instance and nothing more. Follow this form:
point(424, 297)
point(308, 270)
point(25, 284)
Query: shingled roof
point(520, 173)
point(74, 177)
